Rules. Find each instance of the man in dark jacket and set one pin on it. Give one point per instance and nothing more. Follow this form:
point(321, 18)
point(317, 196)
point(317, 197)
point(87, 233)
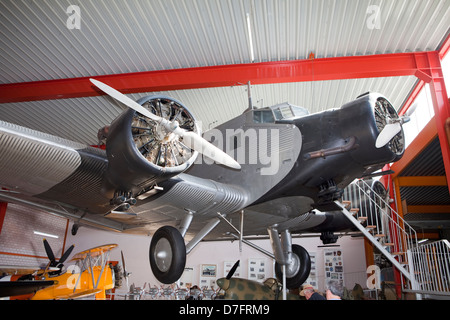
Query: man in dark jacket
point(310, 294)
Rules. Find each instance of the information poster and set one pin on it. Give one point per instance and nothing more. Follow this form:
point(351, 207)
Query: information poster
point(334, 266)
point(312, 278)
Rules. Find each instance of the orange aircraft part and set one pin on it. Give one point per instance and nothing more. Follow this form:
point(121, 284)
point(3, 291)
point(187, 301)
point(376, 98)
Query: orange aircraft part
point(65, 285)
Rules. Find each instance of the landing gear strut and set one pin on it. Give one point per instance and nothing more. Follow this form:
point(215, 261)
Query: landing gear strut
point(294, 258)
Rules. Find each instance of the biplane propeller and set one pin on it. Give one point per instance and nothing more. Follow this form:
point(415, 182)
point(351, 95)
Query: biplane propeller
point(51, 256)
point(125, 273)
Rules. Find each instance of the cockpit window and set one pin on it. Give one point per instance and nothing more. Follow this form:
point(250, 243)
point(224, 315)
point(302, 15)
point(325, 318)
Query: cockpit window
point(263, 116)
point(283, 111)
point(288, 111)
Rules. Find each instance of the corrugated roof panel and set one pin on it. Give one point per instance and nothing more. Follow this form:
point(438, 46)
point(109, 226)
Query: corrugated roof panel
point(428, 162)
point(128, 36)
point(425, 195)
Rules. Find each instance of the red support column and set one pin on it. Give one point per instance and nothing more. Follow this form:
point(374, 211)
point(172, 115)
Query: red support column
point(441, 105)
point(3, 207)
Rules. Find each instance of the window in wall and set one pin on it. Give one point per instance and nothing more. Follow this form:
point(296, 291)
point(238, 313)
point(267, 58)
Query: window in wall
point(421, 116)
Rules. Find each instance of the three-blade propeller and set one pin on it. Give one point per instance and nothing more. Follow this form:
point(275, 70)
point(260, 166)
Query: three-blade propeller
point(190, 139)
point(393, 128)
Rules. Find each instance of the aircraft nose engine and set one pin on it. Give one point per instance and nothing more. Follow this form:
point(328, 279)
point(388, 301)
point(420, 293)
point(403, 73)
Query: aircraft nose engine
point(142, 152)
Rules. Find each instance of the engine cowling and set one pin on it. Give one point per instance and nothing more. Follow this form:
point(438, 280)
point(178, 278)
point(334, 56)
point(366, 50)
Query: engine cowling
point(141, 152)
point(375, 111)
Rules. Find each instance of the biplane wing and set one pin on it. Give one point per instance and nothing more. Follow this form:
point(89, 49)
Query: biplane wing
point(93, 252)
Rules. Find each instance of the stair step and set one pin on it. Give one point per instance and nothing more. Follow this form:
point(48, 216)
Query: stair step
point(362, 219)
point(398, 253)
point(370, 227)
point(347, 203)
point(388, 244)
point(380, 235)
point(354, 211)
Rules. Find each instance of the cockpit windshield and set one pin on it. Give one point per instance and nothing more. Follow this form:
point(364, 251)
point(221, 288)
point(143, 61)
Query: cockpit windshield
point(283, 111)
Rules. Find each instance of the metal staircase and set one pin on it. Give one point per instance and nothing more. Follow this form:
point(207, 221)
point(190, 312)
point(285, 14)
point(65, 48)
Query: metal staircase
point(425, 269)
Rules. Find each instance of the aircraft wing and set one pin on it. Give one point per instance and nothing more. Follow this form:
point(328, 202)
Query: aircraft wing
point(69, 178)
point(16, 288)
point(9, 269)
point(94, 252)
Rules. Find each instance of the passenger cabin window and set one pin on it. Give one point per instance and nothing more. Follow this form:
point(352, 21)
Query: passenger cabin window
point(263, 116)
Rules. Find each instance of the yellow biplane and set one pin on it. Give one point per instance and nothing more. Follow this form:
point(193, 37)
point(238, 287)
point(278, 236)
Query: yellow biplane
point(89, 275)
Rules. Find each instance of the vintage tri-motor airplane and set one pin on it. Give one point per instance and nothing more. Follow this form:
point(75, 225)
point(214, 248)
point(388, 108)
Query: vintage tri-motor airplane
point(275, 170)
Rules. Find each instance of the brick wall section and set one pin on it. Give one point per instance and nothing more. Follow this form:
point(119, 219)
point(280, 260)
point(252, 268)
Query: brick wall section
point(19, 245)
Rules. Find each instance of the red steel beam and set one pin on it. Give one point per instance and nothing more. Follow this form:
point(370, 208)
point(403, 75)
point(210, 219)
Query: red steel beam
point(382, 65)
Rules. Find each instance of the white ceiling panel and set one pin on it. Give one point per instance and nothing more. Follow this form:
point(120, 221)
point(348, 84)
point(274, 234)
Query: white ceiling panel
point(117, 36)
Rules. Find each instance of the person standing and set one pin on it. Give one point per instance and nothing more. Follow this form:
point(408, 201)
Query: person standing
point(334, 291)
point(310, 294)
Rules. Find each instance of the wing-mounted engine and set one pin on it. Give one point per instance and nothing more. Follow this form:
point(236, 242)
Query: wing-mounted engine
point(141, 152)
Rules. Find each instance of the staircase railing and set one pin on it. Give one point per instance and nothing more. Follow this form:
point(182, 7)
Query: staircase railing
point(431, 263)
point(426, 267)
point(373, 215)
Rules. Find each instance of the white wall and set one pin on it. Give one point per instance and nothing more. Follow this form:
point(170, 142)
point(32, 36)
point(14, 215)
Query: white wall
point(135, 249)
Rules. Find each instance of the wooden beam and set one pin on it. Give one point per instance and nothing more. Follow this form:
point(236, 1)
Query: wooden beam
point(428, 209)
point(419, 181)
point(428, 235)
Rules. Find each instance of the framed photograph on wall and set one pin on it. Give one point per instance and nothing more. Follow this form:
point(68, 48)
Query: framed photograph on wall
point(208, 270)
point(208, 274)
point(227, 265)
point(257, 269)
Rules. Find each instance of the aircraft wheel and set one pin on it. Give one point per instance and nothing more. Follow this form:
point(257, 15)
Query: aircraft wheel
point(167, 254)
point(298, 271)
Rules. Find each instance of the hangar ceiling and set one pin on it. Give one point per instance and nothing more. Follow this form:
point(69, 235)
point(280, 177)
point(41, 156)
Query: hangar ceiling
point(38, 43)
point(117, 37)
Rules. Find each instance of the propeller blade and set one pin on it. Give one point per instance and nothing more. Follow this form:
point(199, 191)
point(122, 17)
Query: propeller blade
point(125, 100)
point(386, 135)
point(411, 109)
point(49, 252)
point(66, 254)
point(123, 265)
point(190, 139)
point(233, 270)
point(199, 144)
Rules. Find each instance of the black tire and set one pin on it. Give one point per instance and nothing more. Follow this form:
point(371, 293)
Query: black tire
point(303, 271)
point(169, 268)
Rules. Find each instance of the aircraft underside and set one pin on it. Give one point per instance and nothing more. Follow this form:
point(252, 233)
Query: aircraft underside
point(153, 179)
